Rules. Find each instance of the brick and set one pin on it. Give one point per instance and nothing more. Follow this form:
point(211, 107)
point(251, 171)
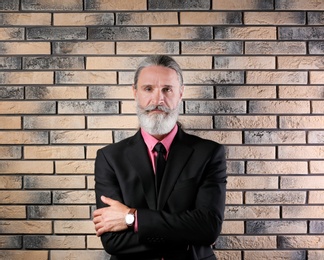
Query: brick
point(276, 227)
point(104, 5)
point(273, 48)
point(12, 212)
point(234, 197)
point(213, 77)
point(112, 63)
point(300, 33)
point(245, 122)
point(83, 19)
point(246, 242)
point(25, 227)
point(235, 167)
point(198, 92)
point(279, 107)
point(26, 167)
point(145, 48)
point(10, 122)
point(74, 197)
point(9, 5)
point(44, 242)
point(194, 62)
point(10, 242)
point(19, 137)
point(301, 152)
point(288, 242)
point(228, 254)
point(280, 254)
point(53, 63)
point(252, 182)
point(8, 63)
point(300, 122)
point(74, 167)
point(56, 33)
point(316, 197)
point(126, 77)
point(27, 19)
point(10, 182)
point(318, 107)
point(316, 47)
point(11, 93)
point(210, 18)
point(271, 18)
point(245, 92)
point(120, 135)
point(314, 255)
point(85, 77)
point(215, 47)
point(90, 183)
point(94, 242)
point(316, 226)
point(25, 197)
point(54, 182)
point(276, 167)
point(118, 33)
point(250, 152)
point(91, 151)
point(110, 92)
point(42, 5)
point(246, 62)
point(27, 107)
point(24, 254)
point(74, 227)
point(54, 152)
point(301, 182)
point(12, 34)
point(243, 5)
point(296, 62)
point(245, 33)
point(128, 107)
point(224, 137)
point(275, 197)
point(175, 5)
point(271, 137)
point(301, 92)
point(184, 32)
point(25, 48)
point(80, 137)
point(36, 77)
point(147, 18)
point(112, 122)
point(50, 92)
point(215, 107)
point(54, 122)
point(315, 137)
point(276, 77)
point(58, 212)
point(316, 77)
point(299, 5)
point(79, 254)
point(233, 227)
point(85, 107)
point(316, 166)
point(10, 152)
point(85, 48)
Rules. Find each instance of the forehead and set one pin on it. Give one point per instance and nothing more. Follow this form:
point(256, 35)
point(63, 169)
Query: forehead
point(158, 74)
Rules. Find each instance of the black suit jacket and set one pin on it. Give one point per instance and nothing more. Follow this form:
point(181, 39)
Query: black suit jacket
point(186, 217)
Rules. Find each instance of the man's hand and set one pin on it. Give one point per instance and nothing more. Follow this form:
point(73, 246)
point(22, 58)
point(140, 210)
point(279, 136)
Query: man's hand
point(111, 218)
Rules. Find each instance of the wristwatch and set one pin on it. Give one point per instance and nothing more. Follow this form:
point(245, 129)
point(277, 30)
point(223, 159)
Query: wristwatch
point(130, 217)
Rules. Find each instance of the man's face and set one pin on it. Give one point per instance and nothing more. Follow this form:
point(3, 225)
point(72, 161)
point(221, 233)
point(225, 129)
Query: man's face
point(158, 95)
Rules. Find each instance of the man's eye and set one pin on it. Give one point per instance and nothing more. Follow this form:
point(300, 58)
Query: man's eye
point(167, 90)
point(148, 89)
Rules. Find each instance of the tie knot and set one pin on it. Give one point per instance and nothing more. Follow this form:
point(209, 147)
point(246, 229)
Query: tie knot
point(159, 147)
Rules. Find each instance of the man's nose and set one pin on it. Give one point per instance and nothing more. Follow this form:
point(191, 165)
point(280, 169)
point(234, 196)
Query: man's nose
point(158, 97)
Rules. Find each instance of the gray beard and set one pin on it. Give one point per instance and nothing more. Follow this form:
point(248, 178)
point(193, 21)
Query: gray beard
point(157, 124)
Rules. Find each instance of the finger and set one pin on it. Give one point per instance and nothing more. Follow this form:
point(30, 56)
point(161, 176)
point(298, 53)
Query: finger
point(107, 200)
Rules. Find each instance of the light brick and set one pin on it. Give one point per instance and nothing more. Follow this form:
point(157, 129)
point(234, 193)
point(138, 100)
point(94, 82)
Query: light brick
point(276, 227)
point(276, 167)
point(301, 122)
point(246, 62)
point(271, 18)
point(250, 152)
point(316, 167)
point(19, 137)
point(315, 255)
point(12, 212)
point(196, 122)
point(252, 182)
point(316, 197)
point(246, 242)
point(54, 182)
point(81, 137)
point(245, 33)
point(245, 92)
point(299, 5)
point(27, 107)
point(90, 183)
point(198, 92)
point(194, 62)
point(275, 197)
point(58, 212)
point(26, 167)
point(83, 19)
point(103, 5)
point(318, 107)
point(279, 107)
point(74, 197)
point(11, 34)
point(74, 167)
point(245, 122)
point(25, 48)
point(224, 137)
point(25, 227)
point(315, 137)
point(74, 227)
point(301, 92)
point(273, 47)
point(113, 63)
point(53, 242)
point(300, 62)
point(271, 254)
point(242, 5)
point(234, 197)
point(85, 107)
point(25, 197)
point(85, 77)
point(271, 137)
point(185, 33)
point(301, 182)
point(233, 227)
point(30, 19)
point(54, 152)
point(54, 122)
point(10, 182)
point(85, 48)
point(210, 18)
point(91, 151)
point(110, 92)
point(289, 242)
point(24, 254)
point(228, 255)
point(10, 122)
point(10, 152)
point(147, 18)
point(27, 78)
point(94, 242)
point(79, 254)
point(146, 48)
point(276, 77)
point(301, 152)
point(112, 122)
point(215, 47)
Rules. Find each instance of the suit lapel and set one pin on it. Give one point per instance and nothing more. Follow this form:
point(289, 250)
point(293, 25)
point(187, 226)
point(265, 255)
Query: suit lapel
point(138, 157)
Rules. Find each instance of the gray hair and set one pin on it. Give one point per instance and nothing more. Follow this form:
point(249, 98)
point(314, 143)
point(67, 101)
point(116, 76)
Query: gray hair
point(159, 60)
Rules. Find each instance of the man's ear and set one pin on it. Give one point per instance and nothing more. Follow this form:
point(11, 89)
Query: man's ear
point(134, 91)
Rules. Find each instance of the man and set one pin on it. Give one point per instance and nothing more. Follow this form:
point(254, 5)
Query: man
point(141, 217)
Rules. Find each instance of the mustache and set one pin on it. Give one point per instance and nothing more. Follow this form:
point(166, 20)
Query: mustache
point(161, 108)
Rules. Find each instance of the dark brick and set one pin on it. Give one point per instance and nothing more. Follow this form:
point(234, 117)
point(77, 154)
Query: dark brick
point(9, 5)
point(215, 107)
point(316, 47)
point(316, 226)
point(41, 5)
point(235, 167)
point(233, 18)
point(53, 63)
point(8, 242)
point(118, 33)
point(36, 92)
point(301, 33)
point(121, 135)
point(56, 33)
point(80, 107)
point(270, 227)
point(179, 4)
point(35, 241)
point(10, 63)
point(11, 93)
point(316, 18)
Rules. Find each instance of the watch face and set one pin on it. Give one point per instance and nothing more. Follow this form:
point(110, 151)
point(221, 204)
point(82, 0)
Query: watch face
point(129, 219)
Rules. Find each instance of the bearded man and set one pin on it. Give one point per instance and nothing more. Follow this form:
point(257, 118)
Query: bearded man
point(160, 194)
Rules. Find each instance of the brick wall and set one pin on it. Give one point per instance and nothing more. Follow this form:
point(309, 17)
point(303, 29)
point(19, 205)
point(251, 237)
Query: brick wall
point(254, 80)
